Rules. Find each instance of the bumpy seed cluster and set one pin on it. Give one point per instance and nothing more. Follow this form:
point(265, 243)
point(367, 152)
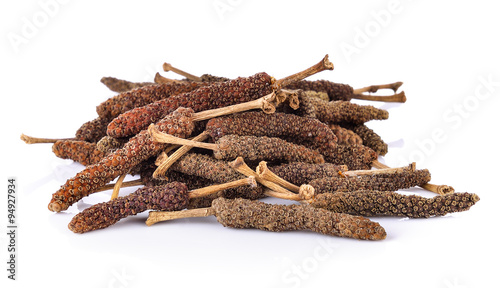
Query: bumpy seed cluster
point(254, 148)
point(356, 157)
point(377, 203)
point(292, 128)
point(118, 85)
point(93, 130)
point(82, 152)
point(335, 91)
point(243, 213)
point(216, 95)
point(170, 197)
point(391, 181)
point(339, 111)
point(346, 136)
point(371, 139)
point(300, 173)
point(217, 171)
point(129, 100)
point(109, 144)
point(136, 150)
point(191, 181)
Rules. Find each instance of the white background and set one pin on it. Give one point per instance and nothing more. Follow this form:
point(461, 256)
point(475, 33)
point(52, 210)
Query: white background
point(54, 55)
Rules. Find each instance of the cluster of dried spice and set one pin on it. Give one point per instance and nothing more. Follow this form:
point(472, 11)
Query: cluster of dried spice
point(304, 141)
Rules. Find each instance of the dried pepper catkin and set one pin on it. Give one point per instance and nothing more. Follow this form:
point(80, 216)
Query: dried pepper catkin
point(93, 130)
point(254, 148)
point(381, 182)
point(377, 203)
point(217, 171)
point(346, 136)
point(355, 157)
point(244, 213)
point(136, 150)
point(292, 128)
point(109, 144)
point(335, 91)
point(300, 173)
point(119, 85)
point(217, 95)
point(82, 152)
point(339, 111)
point(129, 100)
point(371, 139)
point(170, 197)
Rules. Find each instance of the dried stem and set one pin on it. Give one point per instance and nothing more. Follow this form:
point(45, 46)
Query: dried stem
point(240, 166)
point(167, 67)
point(164, 165)
point(157, 216)
point(324, 64)
point(219, 187)
point(438, 189)
point(374, 88)
point(163, 80)
point(399, 98)
point(34, 140)
point(118, 185)
point(264, 103)
point(130, 183)
point(268, 175)
point(167, 138)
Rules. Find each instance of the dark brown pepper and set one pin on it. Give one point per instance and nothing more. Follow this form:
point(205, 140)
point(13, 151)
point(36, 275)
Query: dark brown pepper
point(82, 152)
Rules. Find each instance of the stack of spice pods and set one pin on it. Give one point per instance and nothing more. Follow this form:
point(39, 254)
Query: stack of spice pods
point(253, 137)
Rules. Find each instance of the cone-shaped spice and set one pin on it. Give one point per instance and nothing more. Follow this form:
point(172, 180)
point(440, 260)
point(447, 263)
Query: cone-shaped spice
point(391, 181)
point(346, 136)
point(371, 139)
point(300, 173)
point(377, 203)
point(82, 152)
point(244, 213)
point(93, 130)
point(119, 85)
point(292, 128)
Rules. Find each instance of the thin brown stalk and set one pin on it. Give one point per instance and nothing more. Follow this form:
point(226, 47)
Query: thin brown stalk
point(117, 186)
point(374, 88)
point(219, 187)
point(323, 65)
point(268, 175)
point(168, 67)
point(35, 140)
point(398, 98)
point(159, 216)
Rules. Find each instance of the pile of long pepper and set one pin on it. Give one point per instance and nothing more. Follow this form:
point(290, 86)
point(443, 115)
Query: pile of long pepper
point(302, 140)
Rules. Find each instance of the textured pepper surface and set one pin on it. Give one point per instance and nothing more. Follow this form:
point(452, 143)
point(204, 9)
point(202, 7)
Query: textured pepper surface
point(216, 95)
point(93, 130)
point(300, 173)
point(335, 91)
point(339, 111)
point(217, 171)
point(82, 152)
point(355, 157)
point(129, 100)
point(170, 197)
point(392, 181)
point(211, 78)
point(292, 128)
point(109, 144)
point(371, 139)
point(119, 85)
point(244, 213)
point(136, 150)
point(377, 203)
point(254, 148)
point(346, 136)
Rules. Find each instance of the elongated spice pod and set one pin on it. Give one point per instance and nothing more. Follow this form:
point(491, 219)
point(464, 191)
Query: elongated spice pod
point(292, 128)
point(371, 139)
point(355, 157)
point(136, 150)
point(170, 197)
point(300, 173)
point(339, 111)
point(217, 95)
point(381, 182)
point(93, 130)
point(346, 136)
point(129, 100)
point(82, 152)
point(254, 148)
point(335, 91)
point(377, 203)
point(119, 85)
point(243, 213)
